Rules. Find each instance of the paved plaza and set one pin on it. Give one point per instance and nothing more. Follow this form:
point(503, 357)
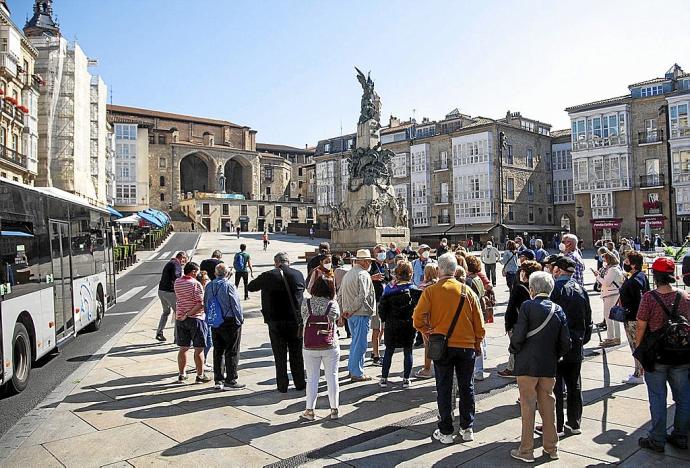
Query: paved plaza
point(127, 409)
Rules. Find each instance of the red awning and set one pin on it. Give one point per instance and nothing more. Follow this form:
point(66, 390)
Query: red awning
point(656, 222)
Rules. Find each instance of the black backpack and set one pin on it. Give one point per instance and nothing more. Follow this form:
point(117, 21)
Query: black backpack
point(674, 341)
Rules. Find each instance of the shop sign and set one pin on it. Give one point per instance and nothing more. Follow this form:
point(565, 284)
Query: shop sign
point(606, 224)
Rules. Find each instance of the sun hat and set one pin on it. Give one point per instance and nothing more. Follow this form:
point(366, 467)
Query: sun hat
point(363, 254)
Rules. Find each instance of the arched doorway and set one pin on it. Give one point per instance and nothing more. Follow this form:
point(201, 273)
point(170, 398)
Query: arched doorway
point(194, 174)
point(234, 177)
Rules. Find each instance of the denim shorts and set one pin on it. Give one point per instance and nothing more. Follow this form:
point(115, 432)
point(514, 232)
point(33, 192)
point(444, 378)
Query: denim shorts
point(191, 333)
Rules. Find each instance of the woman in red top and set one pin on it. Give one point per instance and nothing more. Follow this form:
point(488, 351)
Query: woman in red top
point(651, 316)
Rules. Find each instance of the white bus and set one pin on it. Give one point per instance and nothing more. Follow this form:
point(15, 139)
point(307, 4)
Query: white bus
point(56, 274)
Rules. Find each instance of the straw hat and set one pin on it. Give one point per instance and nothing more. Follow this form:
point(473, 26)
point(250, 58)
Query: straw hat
point(363, 254)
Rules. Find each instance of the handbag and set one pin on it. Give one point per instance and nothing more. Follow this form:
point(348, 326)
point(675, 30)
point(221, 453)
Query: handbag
point(544, 323)
point(438, 342)
point(618, 312)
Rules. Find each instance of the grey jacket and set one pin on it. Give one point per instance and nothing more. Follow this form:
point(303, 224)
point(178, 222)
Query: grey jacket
point(538, 355)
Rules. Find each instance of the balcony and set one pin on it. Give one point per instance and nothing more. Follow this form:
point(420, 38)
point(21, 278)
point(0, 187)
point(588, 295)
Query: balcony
point(652, 180)
point(19, 115)
point(442, 198)
point(652, 208)
point(8, 64)
point(602, 212)
point(600, 142)
point(586, 186)
point(441, 165)
point(650, 136)
point(8, 108)
point(443, 219)
point(12, 156)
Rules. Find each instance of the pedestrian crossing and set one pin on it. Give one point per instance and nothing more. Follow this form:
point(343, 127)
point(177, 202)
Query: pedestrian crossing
point(153, 292)
point(130, 294)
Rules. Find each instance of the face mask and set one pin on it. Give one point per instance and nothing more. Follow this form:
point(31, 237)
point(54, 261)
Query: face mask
point(425, 254)
point(327, 266)
point(605, 264)
point(443, 243)
point(627, 267)
point(561, 247)
point(381, 256)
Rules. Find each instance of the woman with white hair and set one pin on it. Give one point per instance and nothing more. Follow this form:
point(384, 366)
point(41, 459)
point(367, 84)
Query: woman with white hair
point(464, 331)
point(540, 338)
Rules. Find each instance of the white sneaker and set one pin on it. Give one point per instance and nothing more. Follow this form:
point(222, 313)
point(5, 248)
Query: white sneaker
point(406, 383)
point(633, 380)
point(208, 367)
point(466, 434)
point(383, 383)
point(481, 375)
point(443, 438)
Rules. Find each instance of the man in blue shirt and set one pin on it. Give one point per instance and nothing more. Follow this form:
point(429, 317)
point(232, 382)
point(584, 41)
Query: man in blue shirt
point(226, 337)
point(419, 264)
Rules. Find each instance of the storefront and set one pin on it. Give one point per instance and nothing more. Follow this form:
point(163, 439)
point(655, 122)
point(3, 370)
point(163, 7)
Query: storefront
point(607, 229)
point(651, 225)
point(244, 223)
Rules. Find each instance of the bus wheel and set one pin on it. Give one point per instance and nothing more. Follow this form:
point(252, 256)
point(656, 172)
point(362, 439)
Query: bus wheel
point(100, 313)
point(21, 359)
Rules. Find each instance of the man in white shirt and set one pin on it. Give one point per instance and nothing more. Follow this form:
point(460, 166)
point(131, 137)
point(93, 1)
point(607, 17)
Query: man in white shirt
point(490, 256)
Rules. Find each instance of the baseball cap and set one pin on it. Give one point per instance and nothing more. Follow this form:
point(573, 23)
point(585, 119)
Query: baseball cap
point(664, 265)
point(527, 253)
point(565, 263)
point(424, 247)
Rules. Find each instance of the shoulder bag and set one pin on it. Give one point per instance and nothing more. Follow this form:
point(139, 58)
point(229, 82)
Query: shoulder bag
point(503, 270)
point(295, 309)
point(438, 342)
point(544, 323)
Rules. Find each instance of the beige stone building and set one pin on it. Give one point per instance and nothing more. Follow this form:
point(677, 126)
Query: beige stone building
point(621, 171)
point(208, 169)
point(19, 91)
point(455, 183)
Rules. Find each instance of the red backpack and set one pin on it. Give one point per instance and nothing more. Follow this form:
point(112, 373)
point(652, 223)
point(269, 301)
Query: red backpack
point(319, 331)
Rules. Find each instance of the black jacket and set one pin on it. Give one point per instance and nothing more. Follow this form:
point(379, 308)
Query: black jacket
point(209, 266)
point(538, 355)
point(171, 271)
point(395, 309)
point(379, 285)
point(518, 294)
point(631, 292)
point(574, 301)
point(276, 304)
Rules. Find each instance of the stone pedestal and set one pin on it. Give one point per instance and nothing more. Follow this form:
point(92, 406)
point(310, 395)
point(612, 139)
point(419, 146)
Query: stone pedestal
point(363, 229)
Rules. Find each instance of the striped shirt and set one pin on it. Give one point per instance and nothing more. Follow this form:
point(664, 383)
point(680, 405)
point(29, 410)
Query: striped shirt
point(188, 294)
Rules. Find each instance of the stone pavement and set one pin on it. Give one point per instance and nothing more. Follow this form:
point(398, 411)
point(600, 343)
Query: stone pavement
point(130, 411)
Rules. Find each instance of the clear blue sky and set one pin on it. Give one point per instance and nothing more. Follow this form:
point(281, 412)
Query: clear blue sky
point(285, 68)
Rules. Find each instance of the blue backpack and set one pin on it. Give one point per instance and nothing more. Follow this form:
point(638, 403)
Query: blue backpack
point(240, 262)
point(214, 313)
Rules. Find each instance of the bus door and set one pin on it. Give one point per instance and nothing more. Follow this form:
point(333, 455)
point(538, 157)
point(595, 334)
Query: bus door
point(62, 280)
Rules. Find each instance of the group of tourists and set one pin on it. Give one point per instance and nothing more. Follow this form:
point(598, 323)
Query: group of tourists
point(443, 305)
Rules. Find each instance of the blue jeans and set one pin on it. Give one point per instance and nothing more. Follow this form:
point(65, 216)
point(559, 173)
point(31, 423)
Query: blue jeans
point(388, 359)
point(209, 342)
point(458, 362)
point(359, 328)
point(677, 377)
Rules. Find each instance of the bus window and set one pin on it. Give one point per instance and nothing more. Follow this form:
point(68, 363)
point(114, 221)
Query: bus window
point(83, 243)
point(19, 265)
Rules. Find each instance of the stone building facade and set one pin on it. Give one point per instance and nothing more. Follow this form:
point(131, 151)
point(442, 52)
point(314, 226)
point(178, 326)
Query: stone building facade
point(19, 91)
point(301, 162)
point(72, 128)
point(208, 169)
point(452, 177)
point(621, 161)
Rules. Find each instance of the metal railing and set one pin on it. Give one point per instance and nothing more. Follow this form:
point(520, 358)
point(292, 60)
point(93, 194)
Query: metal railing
point(652, 180)
point(442, 198)
point(441, 165)
point(12, 156)
point(443, 219)
point(650, 136)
